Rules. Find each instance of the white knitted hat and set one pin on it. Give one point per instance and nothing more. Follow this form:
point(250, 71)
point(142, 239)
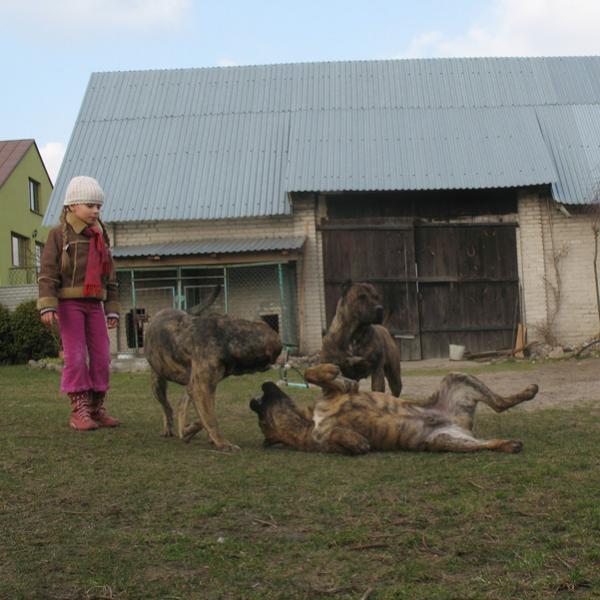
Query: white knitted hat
point(83, 190)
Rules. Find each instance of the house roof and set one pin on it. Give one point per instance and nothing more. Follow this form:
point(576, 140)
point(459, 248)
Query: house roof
point(11, 153)
point(234, 142)
point(196, 247)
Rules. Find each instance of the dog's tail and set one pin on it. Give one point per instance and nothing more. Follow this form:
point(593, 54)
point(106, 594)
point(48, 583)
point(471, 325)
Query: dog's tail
point(198, 309)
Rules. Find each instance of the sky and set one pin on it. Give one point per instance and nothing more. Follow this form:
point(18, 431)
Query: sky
point(48, 49)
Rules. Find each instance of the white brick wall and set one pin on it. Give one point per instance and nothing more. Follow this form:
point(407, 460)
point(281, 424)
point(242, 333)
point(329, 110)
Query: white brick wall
point(542, 228)
point(11, 296)
point(576, 321)
point(311, 302)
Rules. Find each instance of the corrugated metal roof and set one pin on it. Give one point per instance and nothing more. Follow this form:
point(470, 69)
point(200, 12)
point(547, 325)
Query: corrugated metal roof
point(385, 149)
point(185, 167)
point(234, 141)
point(11, 153)
point(192, 247)
point(572, 136)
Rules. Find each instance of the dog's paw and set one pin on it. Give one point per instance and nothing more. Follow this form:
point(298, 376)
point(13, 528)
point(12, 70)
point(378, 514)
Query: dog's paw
point(357, 448)
point(226, 446)
point(190, 431)
point(512, 446)
point(166, 433)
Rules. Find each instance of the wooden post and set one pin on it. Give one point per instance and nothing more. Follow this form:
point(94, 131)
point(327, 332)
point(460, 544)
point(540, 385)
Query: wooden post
point(520, 341)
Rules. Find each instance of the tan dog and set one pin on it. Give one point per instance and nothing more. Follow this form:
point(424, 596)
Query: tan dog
point(345, 420)
point(199, 351)
point(358, 343)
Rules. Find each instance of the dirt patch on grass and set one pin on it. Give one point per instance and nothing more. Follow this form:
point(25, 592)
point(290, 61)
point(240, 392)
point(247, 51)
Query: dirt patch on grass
point(563, 383)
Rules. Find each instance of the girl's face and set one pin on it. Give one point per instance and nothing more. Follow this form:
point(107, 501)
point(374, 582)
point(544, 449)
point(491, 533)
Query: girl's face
point(88, 213)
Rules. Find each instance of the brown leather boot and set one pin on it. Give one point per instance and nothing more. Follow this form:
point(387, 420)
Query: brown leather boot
point(80, 418)
point(98, 412)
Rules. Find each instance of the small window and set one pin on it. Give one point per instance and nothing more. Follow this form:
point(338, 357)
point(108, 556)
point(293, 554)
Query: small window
point(34, 196)
point(19, 250)
point(272, 321)
point(39, 248)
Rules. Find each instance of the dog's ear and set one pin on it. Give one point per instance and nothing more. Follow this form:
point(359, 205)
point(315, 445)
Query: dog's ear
point(346, 287)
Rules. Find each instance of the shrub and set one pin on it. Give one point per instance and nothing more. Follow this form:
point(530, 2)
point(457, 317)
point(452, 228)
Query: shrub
point(31, 339)
point(6, 336)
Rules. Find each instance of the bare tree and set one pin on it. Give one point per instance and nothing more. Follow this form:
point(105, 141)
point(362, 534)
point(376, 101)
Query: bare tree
point(546, 328)
point(595, 222)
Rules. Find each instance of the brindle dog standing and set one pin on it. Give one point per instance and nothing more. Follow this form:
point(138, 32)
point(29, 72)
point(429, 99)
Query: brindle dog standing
point(198, 352)
point(358, 343)
point(345, 420)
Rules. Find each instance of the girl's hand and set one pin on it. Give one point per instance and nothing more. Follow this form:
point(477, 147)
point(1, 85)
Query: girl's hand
point(111, 322)
point(50, 318)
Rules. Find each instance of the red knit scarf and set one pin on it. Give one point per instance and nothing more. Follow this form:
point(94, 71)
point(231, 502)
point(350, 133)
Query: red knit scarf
point(98, 262)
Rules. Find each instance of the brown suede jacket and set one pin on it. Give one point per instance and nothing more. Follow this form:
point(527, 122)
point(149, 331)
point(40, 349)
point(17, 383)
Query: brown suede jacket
point(55, 284)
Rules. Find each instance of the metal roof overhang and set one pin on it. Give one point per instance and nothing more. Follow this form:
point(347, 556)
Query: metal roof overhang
point(244, 249)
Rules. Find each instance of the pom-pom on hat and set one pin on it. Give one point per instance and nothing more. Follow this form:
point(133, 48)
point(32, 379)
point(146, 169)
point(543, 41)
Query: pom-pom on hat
point(83, 190)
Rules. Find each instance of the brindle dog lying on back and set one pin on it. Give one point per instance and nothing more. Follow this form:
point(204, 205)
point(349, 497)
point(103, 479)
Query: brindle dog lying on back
point(358, 343)
point(347, 421)
point(199, 351)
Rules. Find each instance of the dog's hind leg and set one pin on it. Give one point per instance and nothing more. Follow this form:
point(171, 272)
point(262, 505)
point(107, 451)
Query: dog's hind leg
point(459, 394)
point(191, 430)
point(184, 431)
point(391, 365)
point(159, 389)
point(502, 403)
point(202, 388)
point(452, 438)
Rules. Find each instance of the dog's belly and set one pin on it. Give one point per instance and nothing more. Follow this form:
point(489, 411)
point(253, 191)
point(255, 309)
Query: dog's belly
point(394, 432)
point(172, 371)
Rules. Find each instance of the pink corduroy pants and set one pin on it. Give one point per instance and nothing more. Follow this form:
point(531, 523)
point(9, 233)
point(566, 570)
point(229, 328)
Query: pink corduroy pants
point(86, 345)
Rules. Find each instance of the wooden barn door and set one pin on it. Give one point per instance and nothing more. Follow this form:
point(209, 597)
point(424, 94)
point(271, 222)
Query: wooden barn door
point(468, 286)
point(441, 284)
point(383, 255)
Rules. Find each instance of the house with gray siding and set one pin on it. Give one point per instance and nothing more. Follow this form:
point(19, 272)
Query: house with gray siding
point(462, 188)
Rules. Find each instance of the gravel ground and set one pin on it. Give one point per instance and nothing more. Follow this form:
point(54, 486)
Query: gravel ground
point(563, 383)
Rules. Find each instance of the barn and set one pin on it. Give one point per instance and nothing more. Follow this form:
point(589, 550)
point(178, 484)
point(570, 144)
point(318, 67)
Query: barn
point(464, 189)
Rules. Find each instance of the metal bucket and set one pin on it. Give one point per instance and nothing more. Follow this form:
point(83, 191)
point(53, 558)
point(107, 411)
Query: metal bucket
point(456, 352)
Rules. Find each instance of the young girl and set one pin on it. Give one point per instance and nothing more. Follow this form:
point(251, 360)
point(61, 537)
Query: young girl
point(78, 291)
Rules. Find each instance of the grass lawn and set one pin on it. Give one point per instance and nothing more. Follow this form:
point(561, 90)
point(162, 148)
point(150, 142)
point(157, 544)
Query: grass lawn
point(127, 514)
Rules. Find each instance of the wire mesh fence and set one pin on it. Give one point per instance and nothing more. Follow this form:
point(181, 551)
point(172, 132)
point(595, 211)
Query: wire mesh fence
point(22, 275)
point(258, 291)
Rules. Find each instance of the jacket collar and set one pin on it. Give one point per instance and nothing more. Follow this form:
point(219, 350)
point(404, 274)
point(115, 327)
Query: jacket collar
point(76, 223)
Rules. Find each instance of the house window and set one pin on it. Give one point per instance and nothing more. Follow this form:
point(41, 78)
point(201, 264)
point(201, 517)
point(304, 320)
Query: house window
point(19, 250)
point(38, 256)
point(34, 196)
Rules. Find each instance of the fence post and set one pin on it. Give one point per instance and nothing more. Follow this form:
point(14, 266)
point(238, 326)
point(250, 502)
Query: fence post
point(181, 300)
point(226, 289)
point(284, 332)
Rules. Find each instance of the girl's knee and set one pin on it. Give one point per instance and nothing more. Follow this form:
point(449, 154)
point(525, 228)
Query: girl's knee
point(76, 358)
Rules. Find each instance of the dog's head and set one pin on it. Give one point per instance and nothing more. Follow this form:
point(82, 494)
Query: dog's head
point(279, 418)
point(249, 346)
point(361, 303)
